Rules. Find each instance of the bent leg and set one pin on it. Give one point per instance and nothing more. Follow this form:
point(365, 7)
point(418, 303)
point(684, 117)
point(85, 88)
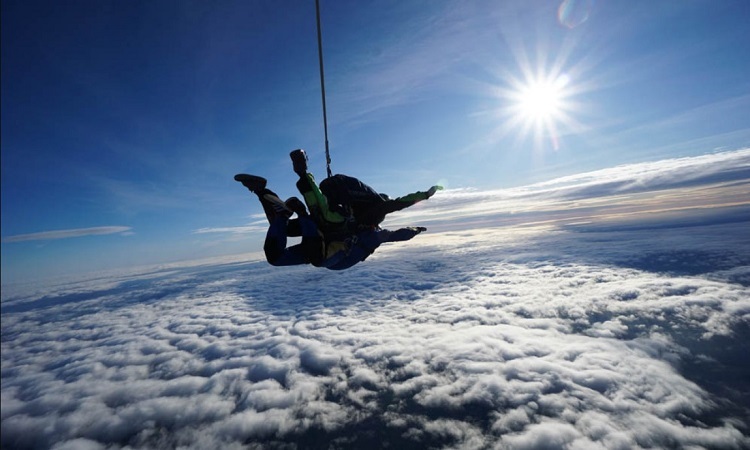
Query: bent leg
point(267, 206)
point(277, 254)
point(312, 244)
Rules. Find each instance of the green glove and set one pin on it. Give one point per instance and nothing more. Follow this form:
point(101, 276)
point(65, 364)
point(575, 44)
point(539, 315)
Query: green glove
point(432, 190)
point(420, 195)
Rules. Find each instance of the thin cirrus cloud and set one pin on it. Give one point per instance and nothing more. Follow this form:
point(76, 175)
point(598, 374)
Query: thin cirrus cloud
point(66, 234)
point(643, 191)
point(671, 186)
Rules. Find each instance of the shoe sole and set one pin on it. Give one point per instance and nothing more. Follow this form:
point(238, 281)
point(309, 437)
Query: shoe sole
point(257, 183)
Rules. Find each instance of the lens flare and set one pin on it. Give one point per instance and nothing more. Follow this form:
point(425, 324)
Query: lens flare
point(572, 13)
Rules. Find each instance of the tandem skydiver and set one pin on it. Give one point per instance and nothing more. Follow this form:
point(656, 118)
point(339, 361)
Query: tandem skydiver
point(336, 250)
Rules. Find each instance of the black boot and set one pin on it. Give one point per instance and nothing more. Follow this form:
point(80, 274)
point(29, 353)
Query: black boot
point(299, 162)
point(252, 182)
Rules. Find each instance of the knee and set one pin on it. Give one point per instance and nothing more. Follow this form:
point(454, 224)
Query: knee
point(272, 250)
point(314, 250)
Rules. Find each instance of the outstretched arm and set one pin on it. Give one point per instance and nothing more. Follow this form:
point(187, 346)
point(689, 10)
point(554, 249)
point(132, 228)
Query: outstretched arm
point(377, 213)
point(419, 195)
point(359, 247)
point(403, 234)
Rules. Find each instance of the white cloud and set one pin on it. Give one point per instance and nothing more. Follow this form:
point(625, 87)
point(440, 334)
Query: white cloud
point(259, 226)
point(64, 234)
point(644, 194)
point(670, 191)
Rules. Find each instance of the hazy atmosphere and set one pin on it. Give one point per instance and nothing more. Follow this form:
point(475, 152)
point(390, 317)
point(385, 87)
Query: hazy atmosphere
point(124, 122)
point(583, 282)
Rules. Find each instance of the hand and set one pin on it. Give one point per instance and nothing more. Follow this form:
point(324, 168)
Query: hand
point(403, 234)
point(432, 190)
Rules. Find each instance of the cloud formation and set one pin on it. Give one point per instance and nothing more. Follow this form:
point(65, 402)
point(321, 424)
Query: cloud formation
point(671, 190)
point(258, 224)
point(522, 337)
point(619, 320)
point(65, 234)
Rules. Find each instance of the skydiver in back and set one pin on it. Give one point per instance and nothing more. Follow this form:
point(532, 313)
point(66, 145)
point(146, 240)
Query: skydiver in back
point(342, 203)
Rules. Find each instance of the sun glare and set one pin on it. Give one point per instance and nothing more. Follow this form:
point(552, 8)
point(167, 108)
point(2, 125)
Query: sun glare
point(540, 100)
point(540, 106)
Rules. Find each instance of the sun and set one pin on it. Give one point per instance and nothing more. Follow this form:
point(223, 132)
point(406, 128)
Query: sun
point(540, 101)
point(540, 106)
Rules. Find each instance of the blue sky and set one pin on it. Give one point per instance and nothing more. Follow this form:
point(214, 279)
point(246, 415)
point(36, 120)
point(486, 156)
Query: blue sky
point(124, 122)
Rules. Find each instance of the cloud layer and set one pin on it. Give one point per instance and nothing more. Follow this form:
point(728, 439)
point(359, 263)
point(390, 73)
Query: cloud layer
point(522, 337)
point(665, 193)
